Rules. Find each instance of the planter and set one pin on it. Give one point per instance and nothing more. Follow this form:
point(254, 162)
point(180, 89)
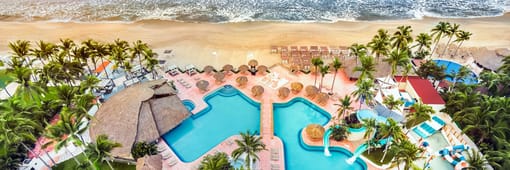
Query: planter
point(356, 134)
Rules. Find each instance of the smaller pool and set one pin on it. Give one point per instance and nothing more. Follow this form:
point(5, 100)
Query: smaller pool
point(188, 104)
point(367, 114)
point(453, 67)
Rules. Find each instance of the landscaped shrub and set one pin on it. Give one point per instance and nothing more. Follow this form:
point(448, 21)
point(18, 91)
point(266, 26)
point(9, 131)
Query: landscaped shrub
point(352, 121)
point(140, 149)
point(315, 131)
point(339, 132)
point(217, 161)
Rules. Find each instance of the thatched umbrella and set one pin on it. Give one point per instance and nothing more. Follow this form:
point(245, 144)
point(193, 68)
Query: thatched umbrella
point(257, 90)
point(262, 69)
point(227, 68)
point(315, 131)
point(243, 69)
point(219, 76)
point(311, 91)
point(242, 80)
point(283, 92)
point(202, 85)
point(208, 69)
point(322, 98)
point(253, 63)
point(296, 87)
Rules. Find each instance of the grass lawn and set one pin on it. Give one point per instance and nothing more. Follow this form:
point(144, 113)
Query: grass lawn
point(71, 165)
point(4, 78)
point(414, 123)
point(376, 154)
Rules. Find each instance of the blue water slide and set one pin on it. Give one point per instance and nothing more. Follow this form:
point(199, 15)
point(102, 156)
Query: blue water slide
point(326, 142)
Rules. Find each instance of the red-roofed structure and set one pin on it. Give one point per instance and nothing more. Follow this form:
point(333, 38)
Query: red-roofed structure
point(422, 88)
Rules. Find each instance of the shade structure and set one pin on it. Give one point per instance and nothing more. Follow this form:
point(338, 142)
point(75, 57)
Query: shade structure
point(219, 76)
point(257, 90)
point(261, 69)
point(322, 98)
point(227, 68)
point(296, 87)
point(242, 80)
point(202, 85)
point(253, 63)
point(311, 91)
point(283, 92)
point(142, 112)
point(208, 69)
point(243, 69)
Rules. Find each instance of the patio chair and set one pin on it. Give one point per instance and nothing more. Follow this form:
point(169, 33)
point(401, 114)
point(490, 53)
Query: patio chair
point(173, 162)
point(275, 167)
point(275, 154)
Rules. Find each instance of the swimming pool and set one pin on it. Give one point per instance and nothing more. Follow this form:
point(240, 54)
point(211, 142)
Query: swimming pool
point(188, 104)
point(454, 67)
point(289, 119)
point(436, 142)
point(201, 132)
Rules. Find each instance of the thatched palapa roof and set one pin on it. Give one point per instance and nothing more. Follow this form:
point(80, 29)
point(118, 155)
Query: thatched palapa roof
point(141, 112)
point(153, 162)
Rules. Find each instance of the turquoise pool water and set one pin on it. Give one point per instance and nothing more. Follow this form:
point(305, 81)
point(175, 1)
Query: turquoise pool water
point(452, 67)
point(188, 104)
point(368, 114)
point(229, 112)
point(289, 119)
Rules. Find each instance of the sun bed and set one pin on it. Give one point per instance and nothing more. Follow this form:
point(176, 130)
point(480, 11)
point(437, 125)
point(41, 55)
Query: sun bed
point(172, 162)
point(275, 166)
point(275, 154)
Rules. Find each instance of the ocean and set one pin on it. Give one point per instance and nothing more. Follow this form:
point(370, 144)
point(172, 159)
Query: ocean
point(224, 11)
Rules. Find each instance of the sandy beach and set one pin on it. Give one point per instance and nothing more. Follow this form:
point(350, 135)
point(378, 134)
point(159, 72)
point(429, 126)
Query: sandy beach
point(235, 43)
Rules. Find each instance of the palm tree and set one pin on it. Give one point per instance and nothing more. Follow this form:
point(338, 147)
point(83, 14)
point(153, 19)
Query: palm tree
point(460, 75)
point(452, 31)
point(390, 129)
point(367, 67)
point(44, 51)
point(439, 31)
point(316, 62)
point(402, 38)
point(421, 112)
point(405, 152)
point(336, 65)
point(358, 50)
point(151, 62)
point(461, 37)
point(423, 41)
point(344, 106)
point(249, 145)
point(379, 44)
point(27, 89)
point(138, 50)
point(397, 59)
point(66, 45)
point(101, 148)
point(218, 161)
point(392, 103)
point(364, 91)
point(476, 160)
point(324, 70)
point(371, 125)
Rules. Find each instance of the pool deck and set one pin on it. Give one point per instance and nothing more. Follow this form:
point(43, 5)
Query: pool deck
point(342, 87)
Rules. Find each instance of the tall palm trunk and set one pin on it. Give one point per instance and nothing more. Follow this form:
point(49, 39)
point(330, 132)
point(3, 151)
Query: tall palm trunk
point(84, 153)
point(316, 71)
point(104, 67)
point(7, 91)
point(320, 87)
point(457, 49)
point(385, 150)
point(72, 155)
point(30, 150)
point(434, 49)
point(109, 164)
point(446, 47)
point(333, 84)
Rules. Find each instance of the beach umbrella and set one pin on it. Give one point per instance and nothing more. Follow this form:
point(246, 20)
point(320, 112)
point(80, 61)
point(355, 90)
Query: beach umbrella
point(253, 63)
point(262, 69)
point(296, 87)
point(243, 69)
point(227, 68)
point(208, 69)
point(219, 76)
point(242, 80)
point(257, 90)
point(311, 91)
point(202, 85)
point(283, 92)
point(322, 98)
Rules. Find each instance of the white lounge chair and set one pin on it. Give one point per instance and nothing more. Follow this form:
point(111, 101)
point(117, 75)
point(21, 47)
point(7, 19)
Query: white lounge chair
point(173, 162)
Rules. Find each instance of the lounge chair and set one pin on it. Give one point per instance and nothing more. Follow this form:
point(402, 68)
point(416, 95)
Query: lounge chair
point(166, 155)
point(275, 167)
point(275, 155)
point(172, 162)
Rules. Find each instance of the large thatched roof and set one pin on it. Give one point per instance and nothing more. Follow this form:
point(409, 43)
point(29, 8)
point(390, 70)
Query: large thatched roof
point(153, 162)
point(141, 112)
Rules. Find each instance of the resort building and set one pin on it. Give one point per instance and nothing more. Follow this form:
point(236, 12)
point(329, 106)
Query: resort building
point(419, 89)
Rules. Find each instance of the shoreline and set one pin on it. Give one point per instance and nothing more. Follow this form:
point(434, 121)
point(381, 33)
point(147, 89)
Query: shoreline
point(237, 43)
